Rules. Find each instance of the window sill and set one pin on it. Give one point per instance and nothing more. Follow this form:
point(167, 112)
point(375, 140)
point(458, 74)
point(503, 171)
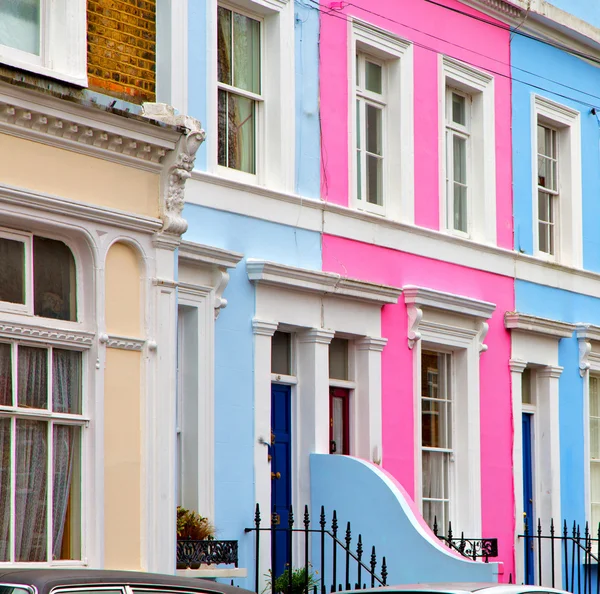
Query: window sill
point(79, 80)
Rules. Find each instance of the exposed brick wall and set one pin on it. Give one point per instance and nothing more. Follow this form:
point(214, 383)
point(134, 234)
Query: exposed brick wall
point(122, 48)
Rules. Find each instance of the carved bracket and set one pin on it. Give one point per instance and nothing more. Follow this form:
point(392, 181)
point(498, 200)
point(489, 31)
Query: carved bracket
point(177, 165)
point(221, 281)
point(585, 348)
point(415, 315)
point(483, 330)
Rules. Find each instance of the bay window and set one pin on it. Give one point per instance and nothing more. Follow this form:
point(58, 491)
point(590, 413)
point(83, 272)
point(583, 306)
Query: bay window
point(239, 88)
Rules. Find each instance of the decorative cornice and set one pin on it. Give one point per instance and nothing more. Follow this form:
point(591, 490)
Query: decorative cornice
point(466, 306)
point(264, 327)
point(371, 343)
point(11, 196)
point(501, 7)
point(177, 165)
point(71, 338)
point(68, 125)
point(550, 371)
point(316, 335)
point(204, 254)
point(517, 366)
point(526, 323)
point(126, 343)
point(323, 283)
point(166, 241)
point(588, 332)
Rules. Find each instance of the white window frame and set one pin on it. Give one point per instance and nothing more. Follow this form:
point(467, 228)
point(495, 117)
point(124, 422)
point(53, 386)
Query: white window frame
point(588, 469)
point(481, 169)
point(27, 240)
point(396, 58)
point(62, 56)
point(47, 416)
point(274, 127)
point(568, 248)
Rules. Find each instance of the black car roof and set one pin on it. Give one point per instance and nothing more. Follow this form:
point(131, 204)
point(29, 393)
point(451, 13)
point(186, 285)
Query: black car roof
point(47, 579)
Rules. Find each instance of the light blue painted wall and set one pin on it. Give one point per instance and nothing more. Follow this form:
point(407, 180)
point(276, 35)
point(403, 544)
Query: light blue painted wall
point(308, 136)
point(569, 307)
point(234, 372)
point(537, 69)
point(587, 10)
point(389, 525)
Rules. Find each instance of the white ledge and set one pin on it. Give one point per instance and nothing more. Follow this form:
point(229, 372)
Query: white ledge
point(204, 254)
point(466, 306)
point(519, 321)
point(30, 332)
point(588, 332)
point(125, 343)
point(323, 283)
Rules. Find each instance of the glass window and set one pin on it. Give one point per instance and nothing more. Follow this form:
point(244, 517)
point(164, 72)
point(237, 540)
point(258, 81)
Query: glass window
point(239, 73)
point(40, 455)
point(20, 25)
point(12, 270)
point(281, 353)
point(547, 176)
point(594, 407)
point(457, 159)
point(338, 359)
point(526, 392)
point(436, 437)
point(370, 112)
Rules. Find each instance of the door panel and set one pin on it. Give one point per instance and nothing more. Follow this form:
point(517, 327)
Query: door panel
point(528, 502)
point(281, 472)
point(339, 421)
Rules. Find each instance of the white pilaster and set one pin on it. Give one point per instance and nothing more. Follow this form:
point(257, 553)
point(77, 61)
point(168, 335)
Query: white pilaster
point(367, 425)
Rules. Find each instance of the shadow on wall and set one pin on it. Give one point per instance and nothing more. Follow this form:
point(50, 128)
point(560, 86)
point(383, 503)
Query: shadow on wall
point(379, 510)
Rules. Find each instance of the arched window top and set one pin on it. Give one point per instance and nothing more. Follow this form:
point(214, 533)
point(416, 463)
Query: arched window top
point(37, 276)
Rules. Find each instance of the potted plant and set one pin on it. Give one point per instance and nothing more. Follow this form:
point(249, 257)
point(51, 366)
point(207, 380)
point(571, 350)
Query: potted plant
point(302, 582)
point(192, 530)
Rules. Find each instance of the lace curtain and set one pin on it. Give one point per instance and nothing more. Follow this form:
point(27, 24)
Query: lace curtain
point(31, 462)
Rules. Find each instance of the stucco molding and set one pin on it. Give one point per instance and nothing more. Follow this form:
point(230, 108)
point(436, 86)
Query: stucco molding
point(264, 327)
point(39, 201)
point(371, 343)
point(126, 343)
point(84, 129)
point(30, 332)
point(550, 371)
point(415, 315)
point(586, 334)
point(177, 164)
point(517, 365)
point(499, 8)
point(527, 323)
point(316, 335)
point(466, 306)
point(323, 283)
point(205, 254)
point(222, 280)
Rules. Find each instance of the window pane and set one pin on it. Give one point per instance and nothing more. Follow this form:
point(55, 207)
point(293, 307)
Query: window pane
point(20, 25)
point(12, 270)
point(5, 375)
point(5, 432)
point(66, 489)
point(246, 53)
point(222, 149)
point(224, 45)
point(374, 180)
point(547, 173)
point(359, 164)
point(526, 387)
point(460, 207)
point(31, 491)
point(338, 424)
point(240, 133)
point(374, 140)
point(594, 396)
point(281, 353)
point(66, 381)
point(32, 364)
point(373, 77)
point(595, 482)
point(338, 359)
point(595, 439)
point(54, 286)
point(459, 153)
point(546, 138)
point(459, 109)
point(545, 207)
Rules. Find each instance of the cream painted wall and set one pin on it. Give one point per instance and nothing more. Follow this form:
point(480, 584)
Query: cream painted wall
point(122, 413)
point(123, 315)
point(122, 460)
point(51, 170)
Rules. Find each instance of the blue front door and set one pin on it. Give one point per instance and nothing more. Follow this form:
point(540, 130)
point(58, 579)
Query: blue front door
point(281, 475)
point(528, 495)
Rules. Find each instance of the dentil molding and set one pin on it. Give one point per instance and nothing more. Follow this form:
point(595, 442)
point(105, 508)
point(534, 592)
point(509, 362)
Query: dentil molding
point(71, 338)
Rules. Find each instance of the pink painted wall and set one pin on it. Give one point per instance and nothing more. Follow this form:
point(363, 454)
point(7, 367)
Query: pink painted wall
point(391, 267)
point(433, 30)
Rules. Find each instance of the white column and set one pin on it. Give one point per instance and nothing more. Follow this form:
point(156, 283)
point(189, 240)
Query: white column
point(516, 378)
point(158, 488)
point(367, 422)
point(263, 331)
point(312, 406)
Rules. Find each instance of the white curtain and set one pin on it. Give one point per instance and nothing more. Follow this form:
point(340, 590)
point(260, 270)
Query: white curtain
point(434, 480)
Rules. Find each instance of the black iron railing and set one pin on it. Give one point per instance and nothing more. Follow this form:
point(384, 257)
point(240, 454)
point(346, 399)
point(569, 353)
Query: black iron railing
point(564, 558)
point(193, 553)
point(339, 566)
point(472, 548)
